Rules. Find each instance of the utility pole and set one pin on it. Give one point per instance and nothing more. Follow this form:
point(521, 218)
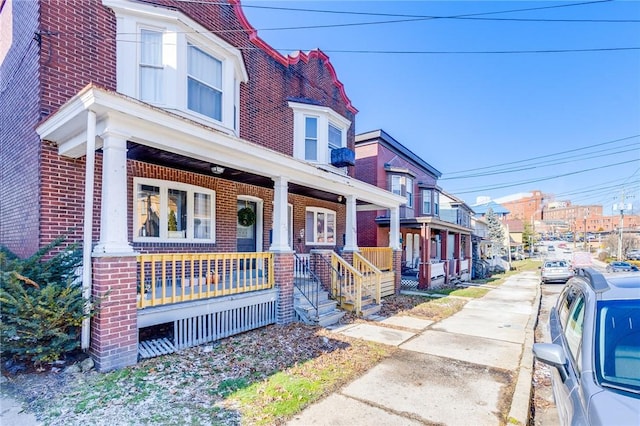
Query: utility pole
point(622, 207)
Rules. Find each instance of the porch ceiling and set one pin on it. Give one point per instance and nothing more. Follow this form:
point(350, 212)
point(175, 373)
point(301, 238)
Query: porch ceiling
point(195, 146)
point(159, 157)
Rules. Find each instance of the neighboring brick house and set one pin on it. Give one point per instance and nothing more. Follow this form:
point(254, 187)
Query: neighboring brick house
point(435, 226)
point(163, 127)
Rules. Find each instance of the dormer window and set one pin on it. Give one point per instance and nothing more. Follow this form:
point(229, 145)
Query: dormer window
point(317, 132)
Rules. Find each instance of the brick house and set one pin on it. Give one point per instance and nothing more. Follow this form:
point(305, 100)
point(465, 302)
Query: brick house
point(435, 226)
point(195, 164)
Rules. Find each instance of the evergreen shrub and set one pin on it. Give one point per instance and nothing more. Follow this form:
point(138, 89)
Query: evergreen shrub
point(42, 307)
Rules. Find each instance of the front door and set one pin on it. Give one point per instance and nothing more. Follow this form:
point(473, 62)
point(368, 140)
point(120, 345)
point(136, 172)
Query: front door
point(246, 232)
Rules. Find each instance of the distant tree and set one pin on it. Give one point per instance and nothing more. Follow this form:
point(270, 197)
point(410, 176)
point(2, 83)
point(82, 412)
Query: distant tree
point(496, 233)
point(528, 238)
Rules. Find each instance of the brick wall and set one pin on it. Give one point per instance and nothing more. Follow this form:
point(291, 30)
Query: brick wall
point(19, 144)
point(114, 329)
point(78, 48)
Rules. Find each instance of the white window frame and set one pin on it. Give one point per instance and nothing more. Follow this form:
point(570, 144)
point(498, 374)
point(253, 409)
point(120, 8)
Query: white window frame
point(159, 67)
point(325, 117)
point(164, 186)
point(433, 197)
point(178, 30)
point(220, 89)
point(313, 241)
point(408, 189)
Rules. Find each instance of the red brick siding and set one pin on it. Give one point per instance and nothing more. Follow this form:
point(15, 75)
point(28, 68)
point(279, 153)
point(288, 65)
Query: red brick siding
point(78, 48)
point(114, 329)
point(62, 202)
point(284, 282)
point(19, 144)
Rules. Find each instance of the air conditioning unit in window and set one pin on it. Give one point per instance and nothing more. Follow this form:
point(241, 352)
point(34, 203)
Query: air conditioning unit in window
point(342, 157)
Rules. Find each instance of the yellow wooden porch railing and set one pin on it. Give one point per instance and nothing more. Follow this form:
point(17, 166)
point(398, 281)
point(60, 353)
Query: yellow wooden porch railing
point(354, 285)
point(381, 257)
point(370, 277)
point(171, 278)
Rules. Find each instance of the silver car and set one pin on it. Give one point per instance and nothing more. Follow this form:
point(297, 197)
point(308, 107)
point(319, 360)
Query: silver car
point(595, 349)
point(555, 271)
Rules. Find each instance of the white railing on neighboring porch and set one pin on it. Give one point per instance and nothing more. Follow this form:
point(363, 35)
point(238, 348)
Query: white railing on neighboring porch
point(437, 269)
point(465, 265)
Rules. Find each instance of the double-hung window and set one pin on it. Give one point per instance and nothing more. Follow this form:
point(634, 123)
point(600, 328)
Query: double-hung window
point(403, 185)
point(320, 226)
point(204, 83)
point(409, 191)
point(172, 211)
point(335, 139)
point(151, 66)
point(430, 202)
point(396, 184)
point(311, 138)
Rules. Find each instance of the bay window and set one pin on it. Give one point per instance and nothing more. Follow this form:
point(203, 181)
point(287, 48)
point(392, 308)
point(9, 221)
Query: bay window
point(166, 58)
point(430, 202)
point(320, 226)
point(317, 132)
point(172, 211)
point(402, 185)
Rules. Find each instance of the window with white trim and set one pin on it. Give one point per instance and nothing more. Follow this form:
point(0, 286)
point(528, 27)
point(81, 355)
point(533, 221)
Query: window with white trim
point(402, 185)
point(317, 131)
point(320, 226)
point(172, 211)
point(409, 191)
point(151, 66)
point(204, 83)
point(311, 138)
point(430, 202)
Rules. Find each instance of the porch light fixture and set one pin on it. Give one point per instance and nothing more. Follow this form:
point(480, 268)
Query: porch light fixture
point(217, 170)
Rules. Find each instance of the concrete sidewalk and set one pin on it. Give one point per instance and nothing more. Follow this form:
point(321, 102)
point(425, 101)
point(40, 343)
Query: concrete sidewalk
point(457, 371)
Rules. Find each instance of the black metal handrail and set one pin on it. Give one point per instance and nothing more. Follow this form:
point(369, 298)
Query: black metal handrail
point(307, 282)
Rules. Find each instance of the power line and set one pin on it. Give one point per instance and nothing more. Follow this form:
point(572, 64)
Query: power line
point(430, 17)
point(546, 155)
point(512, 184)
point(533, 166)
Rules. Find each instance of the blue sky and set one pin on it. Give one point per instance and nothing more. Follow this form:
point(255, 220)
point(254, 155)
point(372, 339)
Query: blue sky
point(494, 124)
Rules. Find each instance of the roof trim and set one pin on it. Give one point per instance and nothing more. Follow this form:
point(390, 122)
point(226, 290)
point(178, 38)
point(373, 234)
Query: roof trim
point(294, 57)
point(382, 136)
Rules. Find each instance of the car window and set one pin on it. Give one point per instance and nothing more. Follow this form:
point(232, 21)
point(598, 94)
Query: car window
point(564, 303)
point(573, 330)
point(618, 344)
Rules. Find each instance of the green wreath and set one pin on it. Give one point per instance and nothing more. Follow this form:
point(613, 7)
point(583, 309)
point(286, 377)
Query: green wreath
point(246, 216)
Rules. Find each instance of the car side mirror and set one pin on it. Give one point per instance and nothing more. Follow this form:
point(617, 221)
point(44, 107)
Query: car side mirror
point(553, 355)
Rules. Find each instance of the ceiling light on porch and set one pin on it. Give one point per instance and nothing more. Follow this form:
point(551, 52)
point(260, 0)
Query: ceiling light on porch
point(217, 170)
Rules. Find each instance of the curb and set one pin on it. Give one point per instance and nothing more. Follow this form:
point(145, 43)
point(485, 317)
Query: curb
point(520, 410)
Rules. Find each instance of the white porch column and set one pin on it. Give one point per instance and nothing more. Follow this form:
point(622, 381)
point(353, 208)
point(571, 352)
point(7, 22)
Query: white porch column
point(280, 230)
point(113, 215)
point(351, 226)
point(394, 228)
